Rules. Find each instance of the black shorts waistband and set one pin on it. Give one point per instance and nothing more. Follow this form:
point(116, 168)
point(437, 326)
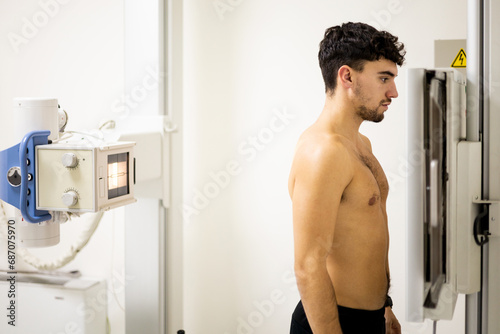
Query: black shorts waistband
point(352, 321)
point(361, 313)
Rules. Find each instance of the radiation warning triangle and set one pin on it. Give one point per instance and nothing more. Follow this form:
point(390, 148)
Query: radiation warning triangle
point(460, 59)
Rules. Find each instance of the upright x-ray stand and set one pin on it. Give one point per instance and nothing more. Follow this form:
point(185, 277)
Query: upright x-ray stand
point(453, 228)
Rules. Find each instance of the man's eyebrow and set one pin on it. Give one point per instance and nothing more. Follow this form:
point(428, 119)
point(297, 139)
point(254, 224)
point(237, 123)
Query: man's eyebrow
point(389, 73)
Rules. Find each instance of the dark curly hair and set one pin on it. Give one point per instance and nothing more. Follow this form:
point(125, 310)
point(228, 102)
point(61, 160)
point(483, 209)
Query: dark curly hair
point(353, 44)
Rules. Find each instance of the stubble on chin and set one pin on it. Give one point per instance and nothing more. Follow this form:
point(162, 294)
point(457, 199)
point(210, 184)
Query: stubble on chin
point(369, 114)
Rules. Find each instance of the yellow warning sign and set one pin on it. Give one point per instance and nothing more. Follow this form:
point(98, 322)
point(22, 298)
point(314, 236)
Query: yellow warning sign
point(460, 59)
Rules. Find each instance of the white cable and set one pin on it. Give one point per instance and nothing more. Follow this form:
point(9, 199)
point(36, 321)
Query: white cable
point(3, 217)
point(107, 124)
point(3, 222)
point(87, 134)
point(67, 257)
point(64, 136)
point(93, 139)
point(68, 134)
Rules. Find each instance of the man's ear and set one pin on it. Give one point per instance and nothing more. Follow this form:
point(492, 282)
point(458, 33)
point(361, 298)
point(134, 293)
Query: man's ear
point(345, 76)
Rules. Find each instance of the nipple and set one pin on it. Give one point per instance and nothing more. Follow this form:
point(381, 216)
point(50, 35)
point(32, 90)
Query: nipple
point(372, 200)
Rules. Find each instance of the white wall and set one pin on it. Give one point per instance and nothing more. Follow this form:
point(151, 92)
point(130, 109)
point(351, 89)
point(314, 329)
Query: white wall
point(245, 61)
point(73, 51)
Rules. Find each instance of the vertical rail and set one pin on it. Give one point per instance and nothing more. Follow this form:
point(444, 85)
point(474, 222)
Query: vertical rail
point(486, 142)
point(146, 291)
point(415, 275)
point(491, 321)
point(174, 40)
point(474, 68)
point(474, 116)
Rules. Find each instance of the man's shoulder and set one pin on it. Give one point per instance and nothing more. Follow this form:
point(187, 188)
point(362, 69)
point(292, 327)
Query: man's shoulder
point(323, 145)
point(322, 161)
point(323, 152)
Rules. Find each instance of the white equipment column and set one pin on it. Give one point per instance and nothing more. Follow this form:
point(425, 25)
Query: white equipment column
point(491, 295)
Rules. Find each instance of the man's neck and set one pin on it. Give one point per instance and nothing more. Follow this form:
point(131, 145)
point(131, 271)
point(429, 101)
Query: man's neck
point(339, 116)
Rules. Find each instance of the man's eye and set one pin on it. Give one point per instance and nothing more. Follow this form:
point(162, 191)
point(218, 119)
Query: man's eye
point(384, 79)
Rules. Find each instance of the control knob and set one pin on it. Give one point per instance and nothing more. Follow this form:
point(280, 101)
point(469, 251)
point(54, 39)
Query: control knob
point(70, 198)
point(69, 160)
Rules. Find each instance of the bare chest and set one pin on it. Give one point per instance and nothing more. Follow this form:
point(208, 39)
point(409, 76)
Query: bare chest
point(369, 186)
point(377, 173)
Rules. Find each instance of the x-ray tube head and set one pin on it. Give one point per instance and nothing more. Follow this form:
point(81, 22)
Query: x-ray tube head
point(101, 178)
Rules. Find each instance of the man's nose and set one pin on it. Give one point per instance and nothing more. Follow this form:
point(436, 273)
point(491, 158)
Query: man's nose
point(393, 92)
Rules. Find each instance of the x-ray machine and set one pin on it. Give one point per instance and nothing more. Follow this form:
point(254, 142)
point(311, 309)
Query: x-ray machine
point(453, 214)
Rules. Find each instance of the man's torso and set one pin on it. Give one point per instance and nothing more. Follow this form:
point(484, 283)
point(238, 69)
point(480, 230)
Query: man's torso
point(357, 263)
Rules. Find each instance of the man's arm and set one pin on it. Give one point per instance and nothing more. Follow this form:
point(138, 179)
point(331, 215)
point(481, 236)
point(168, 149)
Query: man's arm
point(322, 172)
point(392, 325)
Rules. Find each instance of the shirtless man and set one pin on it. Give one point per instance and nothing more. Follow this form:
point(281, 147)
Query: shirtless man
point(339, 190)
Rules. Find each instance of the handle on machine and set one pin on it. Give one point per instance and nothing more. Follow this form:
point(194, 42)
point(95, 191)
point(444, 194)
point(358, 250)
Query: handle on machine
point(24, 155)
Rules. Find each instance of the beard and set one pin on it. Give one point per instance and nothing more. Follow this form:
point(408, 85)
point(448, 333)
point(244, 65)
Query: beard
point(366, 113)
point(371, 115)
